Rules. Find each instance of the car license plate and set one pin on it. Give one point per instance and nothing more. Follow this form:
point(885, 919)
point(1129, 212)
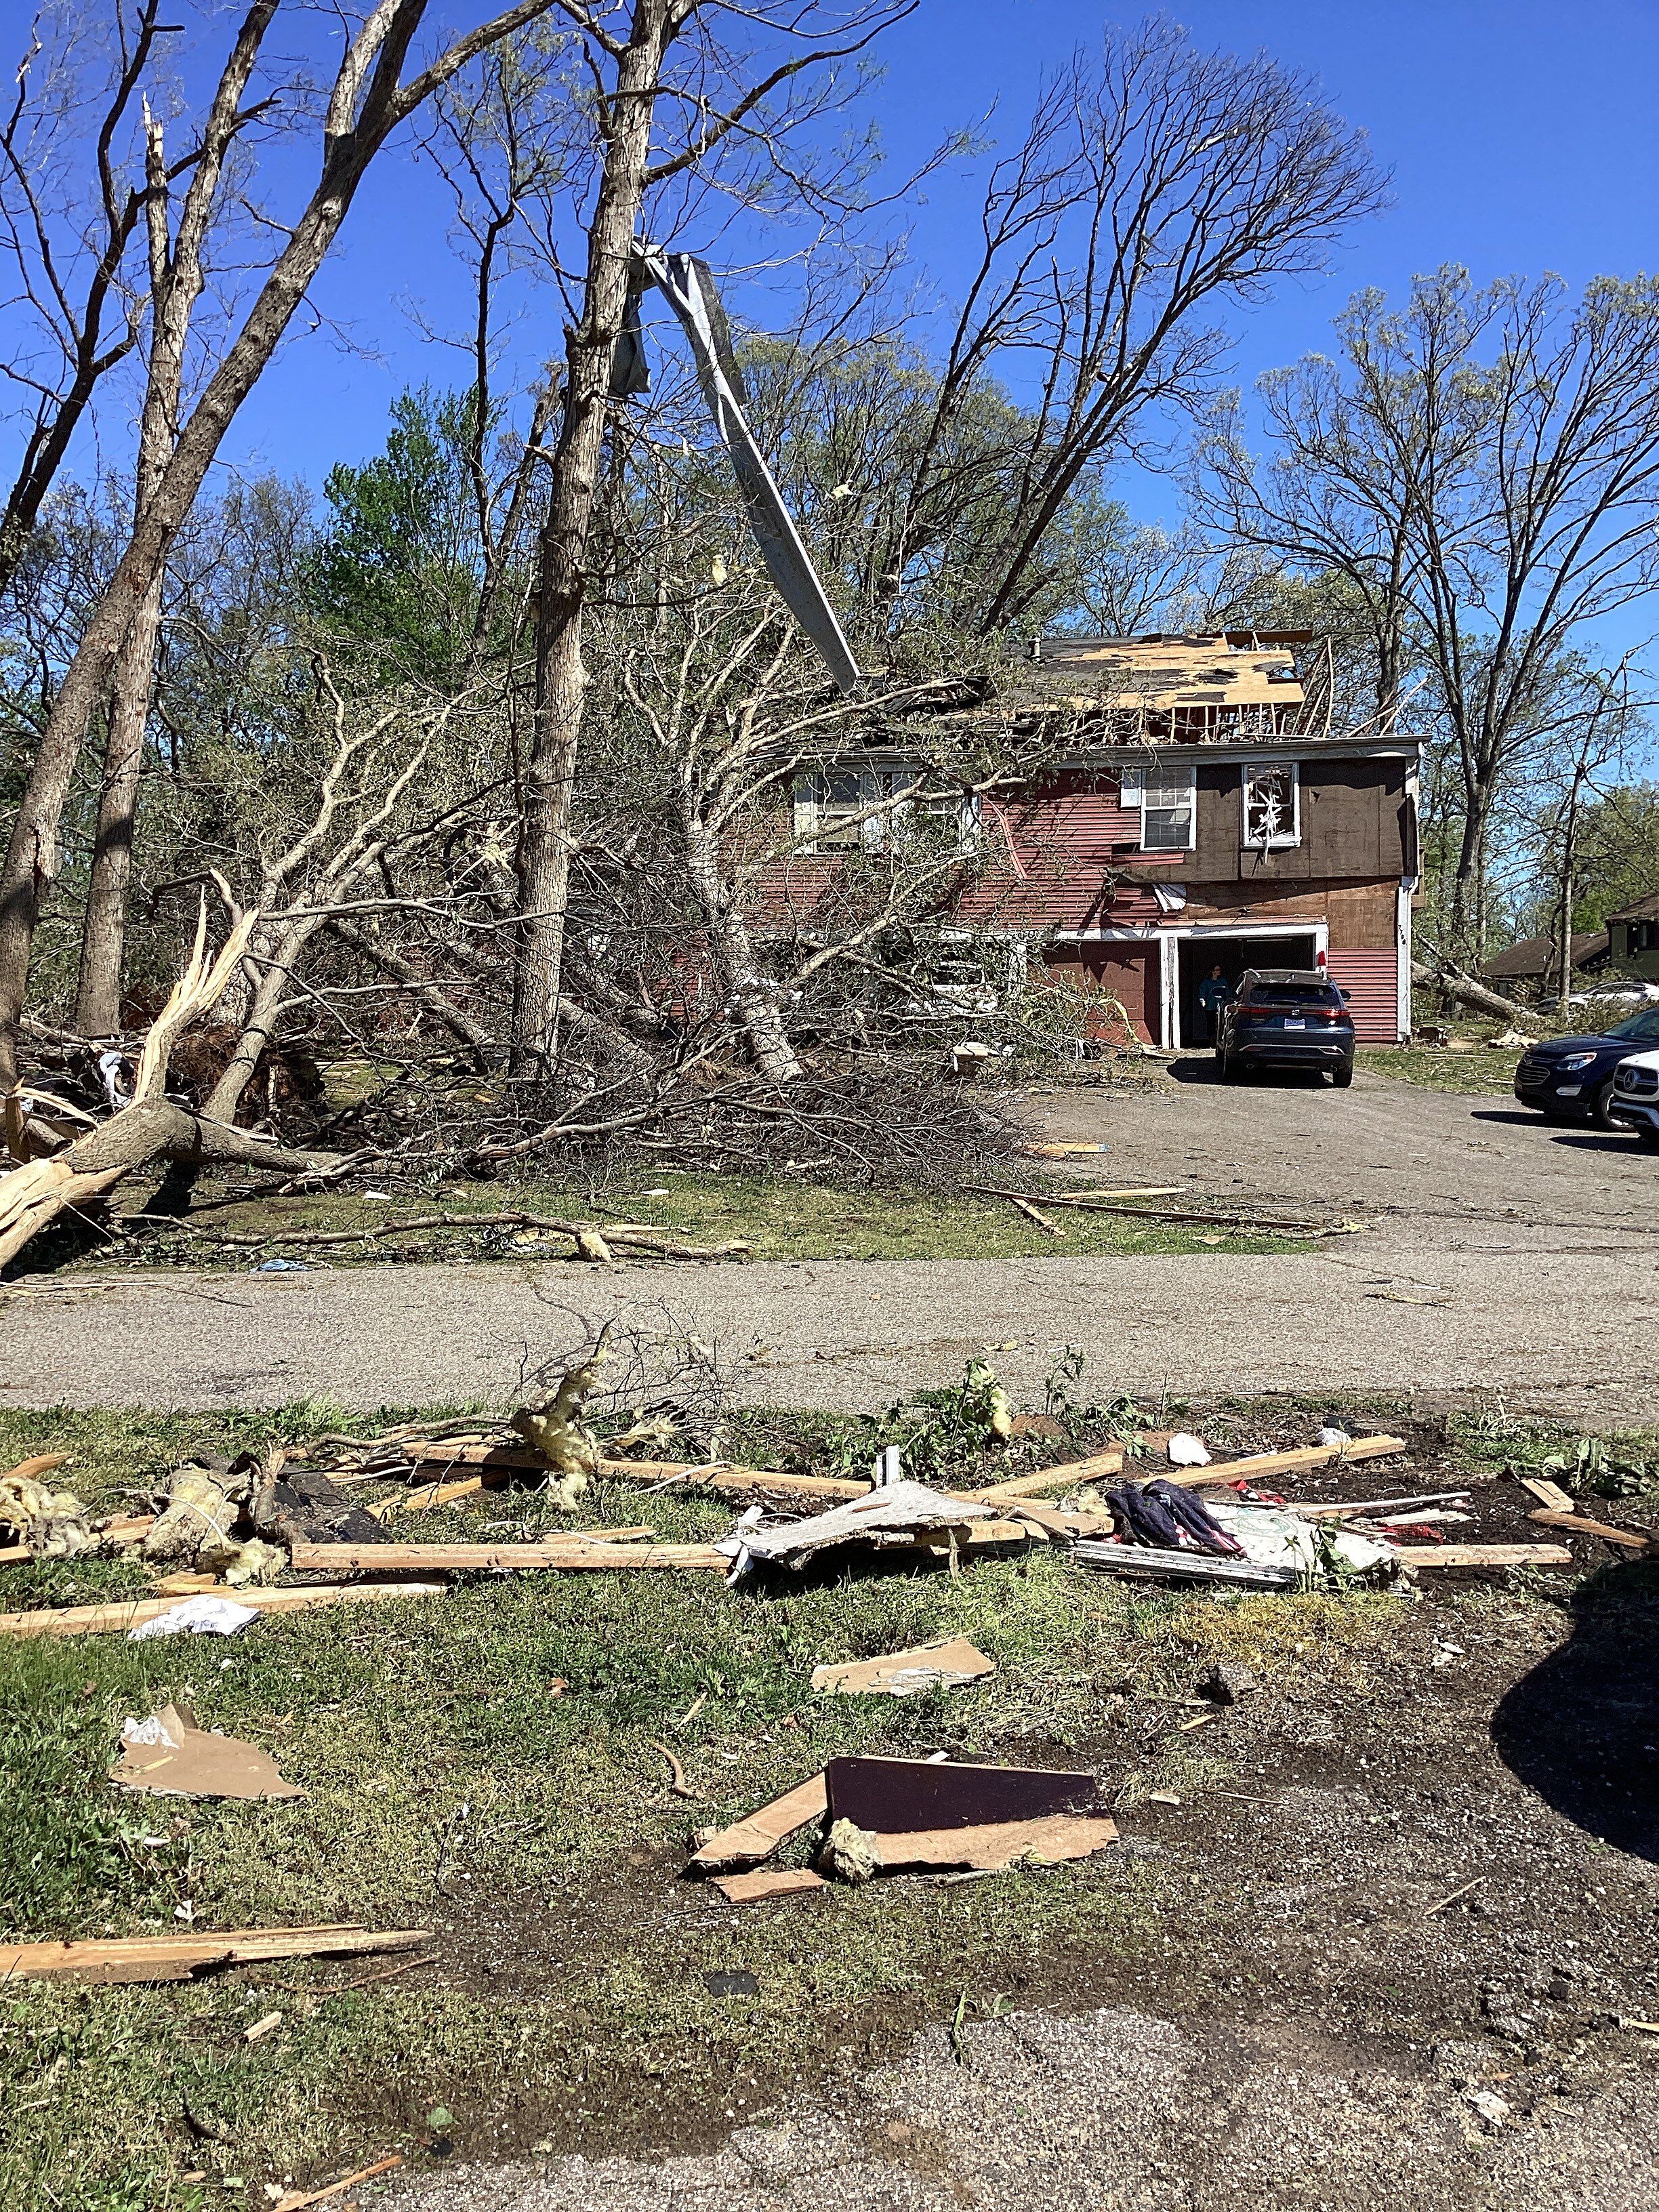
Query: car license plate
point(1291, 1025)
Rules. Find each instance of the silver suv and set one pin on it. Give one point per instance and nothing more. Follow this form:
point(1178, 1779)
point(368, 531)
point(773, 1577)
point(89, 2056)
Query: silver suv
point(1635, 1101)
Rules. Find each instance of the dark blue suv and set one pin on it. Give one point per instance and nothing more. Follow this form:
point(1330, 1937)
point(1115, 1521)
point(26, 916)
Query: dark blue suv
point(1287, 1018)
point(1571, 1078)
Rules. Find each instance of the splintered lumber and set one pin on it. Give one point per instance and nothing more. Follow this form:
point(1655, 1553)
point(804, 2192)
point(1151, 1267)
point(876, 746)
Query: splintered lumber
point(996, 1845)
point(1072, 1476)
point(723, 1475)
point(971, 1536)
point(768, 1882)
point(1484, 1555)
point(1291, 1462)
point(567, 1554)
point(176, 1958)
point(1548, 1493)
point(117, 1618)
point(30, 1470)
point(510, 1458)
point(746, 1842)
point(430, 1494)
point(1576, 1521)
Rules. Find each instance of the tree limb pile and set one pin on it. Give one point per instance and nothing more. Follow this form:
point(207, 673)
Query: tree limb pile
point(151, 1127)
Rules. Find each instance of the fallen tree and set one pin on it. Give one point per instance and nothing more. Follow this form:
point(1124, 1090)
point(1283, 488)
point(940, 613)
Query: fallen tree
point(151, 1126)
point(1452, 983)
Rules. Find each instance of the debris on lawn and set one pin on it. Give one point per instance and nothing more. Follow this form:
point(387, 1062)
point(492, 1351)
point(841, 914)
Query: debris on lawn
point(749, 1841)
point(899, 1514)
point(1603, 1528)
point(1187, 1451)
point(677, 1781)
point(169, 1755)
point(781, 1881)
point(555, 1431)
point(196, 1616)
point(124, 1615)
point(891, 1797)
point(50, 1524)
point(176, 1958)
point(948, 1663)
point(298, 2200)
point(1548, 1493)
point(1145, 1563)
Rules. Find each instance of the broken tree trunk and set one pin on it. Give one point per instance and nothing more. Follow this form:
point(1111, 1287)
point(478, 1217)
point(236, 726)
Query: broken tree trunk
point(152, 1127)
point(1452, 983)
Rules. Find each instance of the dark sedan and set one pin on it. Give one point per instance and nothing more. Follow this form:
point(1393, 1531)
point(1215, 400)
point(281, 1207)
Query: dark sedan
point(1571, 1077)
point(1287, 1018)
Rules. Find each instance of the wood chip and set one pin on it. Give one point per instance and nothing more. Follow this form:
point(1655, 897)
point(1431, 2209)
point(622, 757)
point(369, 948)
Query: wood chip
point(749, 1888)
point(748, 1841)
point(899, 1673)
point(296, 2200)
point(1548, 1493)
point(992, 1847)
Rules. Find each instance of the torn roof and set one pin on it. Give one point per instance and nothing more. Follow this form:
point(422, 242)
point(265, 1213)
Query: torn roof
point(1154, 675)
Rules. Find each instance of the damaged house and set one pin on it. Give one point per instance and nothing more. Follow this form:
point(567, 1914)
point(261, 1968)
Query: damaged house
point(1194, 810)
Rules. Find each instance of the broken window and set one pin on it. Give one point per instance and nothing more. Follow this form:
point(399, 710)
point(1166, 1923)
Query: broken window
point(1165, 797)
point(1272, 815)
point(833, 810)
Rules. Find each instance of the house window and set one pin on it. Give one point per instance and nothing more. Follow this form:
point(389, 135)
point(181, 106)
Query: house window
point(833, 812)
point(1165, 799)
point(1273, 814)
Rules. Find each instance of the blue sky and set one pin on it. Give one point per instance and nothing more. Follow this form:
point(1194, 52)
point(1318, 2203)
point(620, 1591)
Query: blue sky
point(1520, 132)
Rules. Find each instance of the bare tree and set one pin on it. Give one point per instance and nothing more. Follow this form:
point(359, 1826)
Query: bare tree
point(368, 100)
point(73, 316)
point(719, 99)
point(1482, 468)
point(1152, 189)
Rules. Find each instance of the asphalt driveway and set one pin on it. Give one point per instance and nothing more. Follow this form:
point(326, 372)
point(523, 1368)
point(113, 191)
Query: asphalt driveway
point(1503, 1257)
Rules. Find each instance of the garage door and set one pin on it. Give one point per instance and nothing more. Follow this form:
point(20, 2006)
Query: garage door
point(1112, 972)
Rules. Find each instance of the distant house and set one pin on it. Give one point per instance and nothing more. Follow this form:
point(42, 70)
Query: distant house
point(1537, 958)
point(1197, 812)
point(1635, 938)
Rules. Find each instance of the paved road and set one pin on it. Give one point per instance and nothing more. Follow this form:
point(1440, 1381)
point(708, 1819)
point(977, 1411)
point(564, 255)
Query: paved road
point(1123, 2110)
point(1506, 1258)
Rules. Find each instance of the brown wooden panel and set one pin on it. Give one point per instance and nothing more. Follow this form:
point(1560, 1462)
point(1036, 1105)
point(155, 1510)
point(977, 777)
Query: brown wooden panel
point(1113, 968)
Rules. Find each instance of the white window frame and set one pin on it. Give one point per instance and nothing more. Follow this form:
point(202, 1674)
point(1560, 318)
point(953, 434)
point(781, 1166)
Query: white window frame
point(1281, 839)
point(878, 786)
point(1148, 790)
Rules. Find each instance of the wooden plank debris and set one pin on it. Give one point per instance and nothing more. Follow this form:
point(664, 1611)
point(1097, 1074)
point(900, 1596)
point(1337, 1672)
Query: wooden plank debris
point(1583, 1528)
point(746, 1842)
point(1071, 1476)
point(722, 1474)
point(993, 1846)
point(565, 1554)
point(768, 1882)
point(1342, 1510)
point(176, 1958)
point(111, 1620)
point(1295, 1462)
point(1548, 1493)
point(1484, 1555)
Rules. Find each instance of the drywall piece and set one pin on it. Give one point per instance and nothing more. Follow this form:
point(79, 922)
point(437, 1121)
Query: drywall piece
point(902, 1674)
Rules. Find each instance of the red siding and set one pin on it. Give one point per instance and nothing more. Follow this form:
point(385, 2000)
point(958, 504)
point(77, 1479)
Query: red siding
point(1372, 983)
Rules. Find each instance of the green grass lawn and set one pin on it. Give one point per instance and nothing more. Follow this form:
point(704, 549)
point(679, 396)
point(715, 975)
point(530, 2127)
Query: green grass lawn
point(486, 1764)
point(1486, 1071)
point(780, 1218)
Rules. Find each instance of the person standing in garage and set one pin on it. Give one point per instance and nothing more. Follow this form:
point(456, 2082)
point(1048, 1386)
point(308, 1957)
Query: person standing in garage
point(1213, 993)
